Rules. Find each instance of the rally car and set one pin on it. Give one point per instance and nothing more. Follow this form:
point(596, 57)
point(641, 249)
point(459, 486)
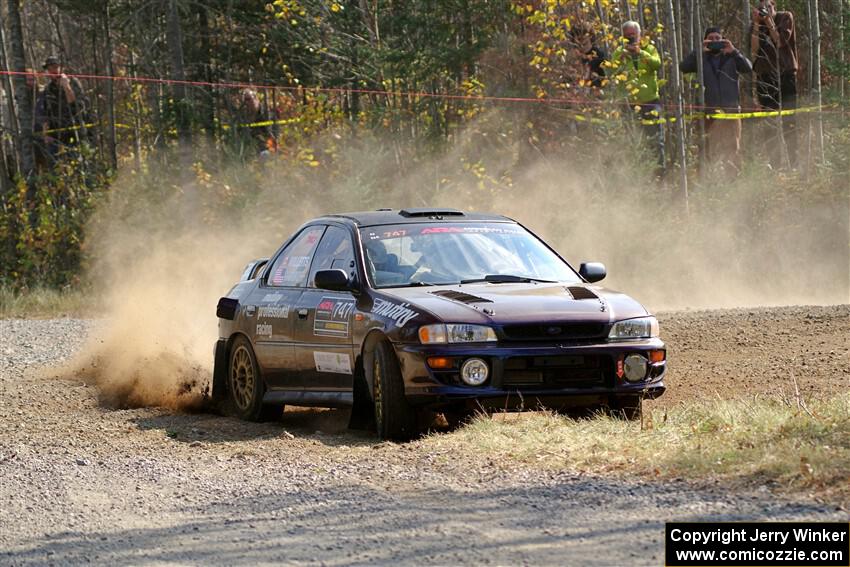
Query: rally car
point(399, 313)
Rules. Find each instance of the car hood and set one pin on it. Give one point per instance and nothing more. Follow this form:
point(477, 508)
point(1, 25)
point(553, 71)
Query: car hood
point(513, 303)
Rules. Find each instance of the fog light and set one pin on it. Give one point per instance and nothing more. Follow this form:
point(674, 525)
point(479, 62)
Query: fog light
point(635, 367)
point(474, 372)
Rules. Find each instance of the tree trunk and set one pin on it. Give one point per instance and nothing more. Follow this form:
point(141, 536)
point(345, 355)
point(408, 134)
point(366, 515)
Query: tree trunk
point(137, 117)
point(178, 73)
point(816, 80)
point(843, 78)
point(698, 35)
point(13, 125)
point(677, 98)
point(110, 89)
point(208, 105)
point(26, 158)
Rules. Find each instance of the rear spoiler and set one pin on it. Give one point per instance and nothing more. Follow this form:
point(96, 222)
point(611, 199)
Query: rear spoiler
point(252, 270)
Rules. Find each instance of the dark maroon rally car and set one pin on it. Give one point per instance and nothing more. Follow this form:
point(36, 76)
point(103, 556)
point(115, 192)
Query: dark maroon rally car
point(399, 314)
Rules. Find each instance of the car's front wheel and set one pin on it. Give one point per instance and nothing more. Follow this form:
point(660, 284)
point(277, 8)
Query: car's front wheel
point(394, 417)
point(245, 386)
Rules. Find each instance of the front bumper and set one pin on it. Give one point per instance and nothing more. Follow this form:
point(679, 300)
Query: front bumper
point(584, 373)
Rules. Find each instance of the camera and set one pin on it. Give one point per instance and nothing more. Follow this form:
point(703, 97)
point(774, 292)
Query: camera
point(716, 46)
point(763, 12)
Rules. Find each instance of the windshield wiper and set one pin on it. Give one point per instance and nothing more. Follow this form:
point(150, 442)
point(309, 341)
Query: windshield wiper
point(505, 278)
point(413, 284)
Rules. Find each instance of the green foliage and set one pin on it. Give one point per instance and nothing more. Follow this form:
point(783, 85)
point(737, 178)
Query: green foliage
point(352, 122)
point(43, 221)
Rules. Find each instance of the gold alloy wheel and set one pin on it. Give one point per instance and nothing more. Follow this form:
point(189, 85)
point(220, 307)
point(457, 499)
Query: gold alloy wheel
point(376, 375)
point(242, 378)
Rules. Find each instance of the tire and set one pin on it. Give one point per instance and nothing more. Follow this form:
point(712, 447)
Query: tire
point(626, 407)
point(395, 419)
point(245, 386)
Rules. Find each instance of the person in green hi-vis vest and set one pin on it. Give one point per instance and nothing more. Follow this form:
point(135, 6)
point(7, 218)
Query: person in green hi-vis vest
point(635, 66)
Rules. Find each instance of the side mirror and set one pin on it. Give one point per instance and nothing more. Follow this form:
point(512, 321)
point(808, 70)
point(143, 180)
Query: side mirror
point(334, 280)
point(592, 271)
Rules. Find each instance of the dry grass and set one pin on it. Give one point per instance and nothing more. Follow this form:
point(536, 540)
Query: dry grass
point(44, 303)
point(780, 443)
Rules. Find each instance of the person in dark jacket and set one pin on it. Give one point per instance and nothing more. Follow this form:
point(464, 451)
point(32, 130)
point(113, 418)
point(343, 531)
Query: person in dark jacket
point(722, 64)
point(61, 109)
point(773, 44)
point(590, 55)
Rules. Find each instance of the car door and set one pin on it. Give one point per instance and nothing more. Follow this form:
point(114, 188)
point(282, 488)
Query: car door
point(323, 322)
point(272, 307)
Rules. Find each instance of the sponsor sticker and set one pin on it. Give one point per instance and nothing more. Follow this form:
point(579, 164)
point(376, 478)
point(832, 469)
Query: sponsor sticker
point(337, 363)
point(264, 330)
point(401, 314)
point(273, 312)
point(333, 317)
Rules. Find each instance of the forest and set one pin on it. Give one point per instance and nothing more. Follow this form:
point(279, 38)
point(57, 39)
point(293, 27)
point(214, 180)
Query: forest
point(243, 106)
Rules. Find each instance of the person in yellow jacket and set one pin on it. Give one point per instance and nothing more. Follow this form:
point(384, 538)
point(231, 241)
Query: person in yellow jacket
point(634, 70)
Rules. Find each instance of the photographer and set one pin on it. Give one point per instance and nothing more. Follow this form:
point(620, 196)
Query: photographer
point(638, 62)
point(61, 110)
point(774, 46)
point(590, 54)
point(722, 64)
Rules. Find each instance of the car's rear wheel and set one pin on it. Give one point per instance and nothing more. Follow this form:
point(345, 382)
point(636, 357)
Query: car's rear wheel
point(626, 407)
point(245, 386)
point(395, 419)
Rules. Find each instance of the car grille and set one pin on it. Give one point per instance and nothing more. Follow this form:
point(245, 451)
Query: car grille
point(554, 332)
point(565, 371)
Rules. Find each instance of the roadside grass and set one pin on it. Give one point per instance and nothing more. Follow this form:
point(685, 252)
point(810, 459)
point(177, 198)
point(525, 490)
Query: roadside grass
point(782, 444)
point(44, 303)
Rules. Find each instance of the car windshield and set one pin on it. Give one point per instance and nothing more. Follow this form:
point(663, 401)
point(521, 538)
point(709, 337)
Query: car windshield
point(451, 253)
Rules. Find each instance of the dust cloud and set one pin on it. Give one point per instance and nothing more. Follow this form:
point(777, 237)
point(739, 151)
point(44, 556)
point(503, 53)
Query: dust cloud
point(744, 245)
point(162, 257)
point(160, 261)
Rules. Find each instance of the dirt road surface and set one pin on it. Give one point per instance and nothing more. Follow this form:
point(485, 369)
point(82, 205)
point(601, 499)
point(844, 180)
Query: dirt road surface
point(82, 483)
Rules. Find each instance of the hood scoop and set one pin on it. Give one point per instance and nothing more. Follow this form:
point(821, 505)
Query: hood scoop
point(579, 292)
point(460, 296)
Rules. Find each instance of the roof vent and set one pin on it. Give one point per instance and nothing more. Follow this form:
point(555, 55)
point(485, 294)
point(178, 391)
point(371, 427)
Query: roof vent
point(579, 292)
point(460, 296)
point(426, 212)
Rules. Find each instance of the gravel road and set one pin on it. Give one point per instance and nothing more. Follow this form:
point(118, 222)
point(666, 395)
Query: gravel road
point(83, 483)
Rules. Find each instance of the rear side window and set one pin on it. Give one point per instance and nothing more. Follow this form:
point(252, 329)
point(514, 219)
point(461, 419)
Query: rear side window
point(290, 269)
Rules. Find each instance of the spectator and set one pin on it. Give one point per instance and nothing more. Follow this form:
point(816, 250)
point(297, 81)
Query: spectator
point(61, 110)
point(721, 66)
point(255, 135)
point(773, 42)
point(635, 65)
point(591, 55)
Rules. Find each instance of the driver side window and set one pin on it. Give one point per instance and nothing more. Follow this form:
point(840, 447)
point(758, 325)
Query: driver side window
point(334, 252)
point(290, 269)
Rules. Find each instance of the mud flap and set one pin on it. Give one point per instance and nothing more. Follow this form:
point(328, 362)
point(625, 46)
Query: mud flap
point(219, 382)
point(362, 411)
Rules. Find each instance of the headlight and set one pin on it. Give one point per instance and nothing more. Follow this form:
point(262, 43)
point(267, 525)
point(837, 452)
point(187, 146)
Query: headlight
point(642, 328)
point(455, 333)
